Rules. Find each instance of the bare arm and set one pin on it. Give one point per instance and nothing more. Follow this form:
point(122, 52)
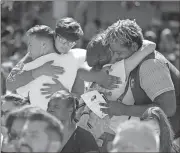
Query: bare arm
point(78, 87)
point(166, 101)
point(131, 62)
point(17, 77)
point(100, 77)
point(20, 77)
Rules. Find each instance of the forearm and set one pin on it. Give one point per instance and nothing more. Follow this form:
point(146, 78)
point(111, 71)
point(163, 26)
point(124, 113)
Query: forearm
point(137, 110)
point(17, 80)
point(87, 75)
point(78, 87)
point(131, 62)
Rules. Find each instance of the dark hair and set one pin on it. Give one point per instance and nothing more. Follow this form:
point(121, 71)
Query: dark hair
point(41, 31)
point(69, 29)
point(98, 54)
point(71, 100)
point(127, 32)
point(18, 100)
point(35, 114)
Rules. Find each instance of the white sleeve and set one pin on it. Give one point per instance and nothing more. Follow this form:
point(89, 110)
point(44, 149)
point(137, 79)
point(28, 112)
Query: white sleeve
point(80, 55)
point(39, 61)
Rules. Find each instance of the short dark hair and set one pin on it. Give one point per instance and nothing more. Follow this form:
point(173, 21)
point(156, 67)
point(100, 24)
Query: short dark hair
point(41, 31)
point(69, 29)
point(126, 32)
point(35, 114)
point(71, 100)
point(18, 100)
point(98, 54)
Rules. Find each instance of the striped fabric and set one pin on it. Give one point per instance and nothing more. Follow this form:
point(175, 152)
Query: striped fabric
point(155, 78)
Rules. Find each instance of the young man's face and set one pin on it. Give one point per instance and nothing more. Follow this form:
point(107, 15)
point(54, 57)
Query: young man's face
point(32, 136)
point(63, 45)
point(119, 52)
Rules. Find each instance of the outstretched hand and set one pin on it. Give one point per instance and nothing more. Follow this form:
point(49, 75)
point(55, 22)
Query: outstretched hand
point(49, 88)
point(49, 70)
point(108, 81)
point(113, 108)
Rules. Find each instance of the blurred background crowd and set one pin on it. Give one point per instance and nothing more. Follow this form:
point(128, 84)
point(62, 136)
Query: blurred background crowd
point(159, 21)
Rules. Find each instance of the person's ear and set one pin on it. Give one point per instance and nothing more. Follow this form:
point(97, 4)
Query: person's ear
point(134, 47)
point(54, 146)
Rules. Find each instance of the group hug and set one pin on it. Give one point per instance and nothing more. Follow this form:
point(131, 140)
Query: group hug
point(45, 110)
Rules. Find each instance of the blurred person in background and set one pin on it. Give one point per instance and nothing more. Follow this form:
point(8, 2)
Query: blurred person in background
point(91, 28)
point(8, 103)
point(19, 46)
point(135, 136)
point(167, 42)
point(76, 139)
point(31, 129)
point(151, 36)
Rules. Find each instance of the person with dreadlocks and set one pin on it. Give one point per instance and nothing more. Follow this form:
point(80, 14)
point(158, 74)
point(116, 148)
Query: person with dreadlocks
point(164, 129)
point(150, 82)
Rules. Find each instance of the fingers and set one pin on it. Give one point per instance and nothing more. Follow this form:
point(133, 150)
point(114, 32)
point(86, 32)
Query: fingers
point(115, 80)
point(55, 76)
point(104, 104)
point(47, 85)
point(105, 110)
point(50, 62)
point(58, 69)
point(49, 96)
point(56, 80)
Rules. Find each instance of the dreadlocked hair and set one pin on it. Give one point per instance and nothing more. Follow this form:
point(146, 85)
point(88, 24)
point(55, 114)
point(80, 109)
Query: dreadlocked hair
point(126, 32)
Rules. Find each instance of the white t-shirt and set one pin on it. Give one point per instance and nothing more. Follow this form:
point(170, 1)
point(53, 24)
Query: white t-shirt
point(70, 62)
point(118, 69)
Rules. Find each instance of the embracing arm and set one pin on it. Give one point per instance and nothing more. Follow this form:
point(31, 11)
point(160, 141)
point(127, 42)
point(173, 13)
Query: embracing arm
point(166, 101)
point(147, 48)
point(17, 76)
point(78, 87)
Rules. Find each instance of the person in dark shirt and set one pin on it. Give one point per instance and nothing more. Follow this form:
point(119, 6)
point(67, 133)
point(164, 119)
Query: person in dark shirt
point(76, 139)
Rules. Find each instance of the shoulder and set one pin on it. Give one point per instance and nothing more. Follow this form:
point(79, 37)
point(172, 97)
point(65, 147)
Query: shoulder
point(152, 65)
point(78, 52)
